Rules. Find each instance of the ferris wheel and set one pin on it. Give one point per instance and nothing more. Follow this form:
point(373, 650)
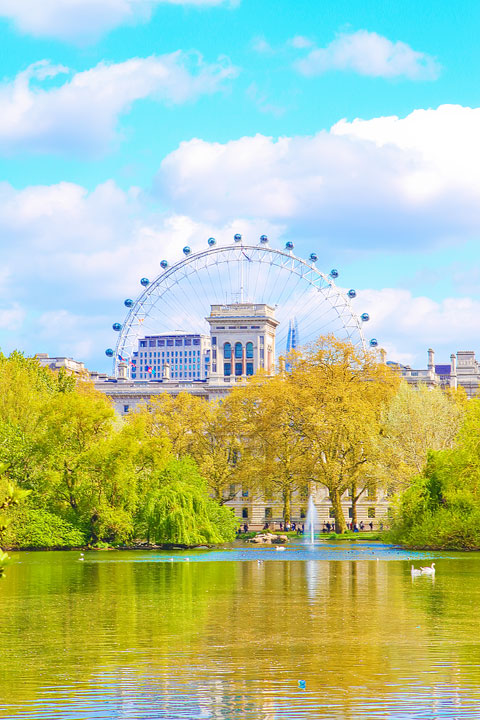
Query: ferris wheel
point(179, 298)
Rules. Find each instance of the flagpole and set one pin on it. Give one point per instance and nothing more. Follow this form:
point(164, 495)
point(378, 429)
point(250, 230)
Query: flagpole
point(241, 272)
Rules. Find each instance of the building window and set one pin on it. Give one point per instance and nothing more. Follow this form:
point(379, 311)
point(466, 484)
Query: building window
point(238, 351)
point(214, 340)
point(233, 489)
point(238, 369)
point(214, 354)
point(196, 341)
point(245, 513)
point(268, 513)
point(161, 343)
point(227, 369)
point(350, 512)
point(249, 350)
point(188, 341)
point(125, 408)
point(143, 343)
point(152, 343)
point(249, 368)
point(227, 351)
point(178, 342)
point(244, 492)
point(254, 327)
point(331, 513)
point(371, 512)
point(170, 342)
point(303, 513)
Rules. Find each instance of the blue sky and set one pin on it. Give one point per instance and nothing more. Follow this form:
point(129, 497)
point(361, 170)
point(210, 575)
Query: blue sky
point(129, 128)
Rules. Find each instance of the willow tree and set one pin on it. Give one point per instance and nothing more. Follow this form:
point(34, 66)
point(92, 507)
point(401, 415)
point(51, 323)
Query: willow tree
point(337, 393)
point(179, 510)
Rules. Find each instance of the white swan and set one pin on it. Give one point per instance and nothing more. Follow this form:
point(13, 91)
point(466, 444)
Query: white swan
point(428, 570)
point(81, 557)
point(415, 572)
point(280, 549)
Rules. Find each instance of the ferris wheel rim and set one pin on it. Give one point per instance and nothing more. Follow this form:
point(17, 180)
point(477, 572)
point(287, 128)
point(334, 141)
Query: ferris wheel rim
point(238, 248)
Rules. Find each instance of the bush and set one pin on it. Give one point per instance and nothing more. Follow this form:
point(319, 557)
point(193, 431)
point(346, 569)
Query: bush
point(30, 527)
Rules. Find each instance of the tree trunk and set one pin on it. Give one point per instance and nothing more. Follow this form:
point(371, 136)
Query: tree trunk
point(287, 505)
point(354, 496)
point(340, 524)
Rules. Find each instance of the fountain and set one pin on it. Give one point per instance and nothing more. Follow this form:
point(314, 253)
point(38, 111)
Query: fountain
point(310, 521)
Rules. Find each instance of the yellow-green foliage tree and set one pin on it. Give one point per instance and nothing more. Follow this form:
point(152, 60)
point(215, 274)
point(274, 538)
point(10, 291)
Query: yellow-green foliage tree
point(417, 420)
point(337, 397)
point(206, 431)
point(266, 421)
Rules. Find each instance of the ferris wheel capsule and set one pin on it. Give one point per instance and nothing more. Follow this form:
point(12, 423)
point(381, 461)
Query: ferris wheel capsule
point(237, 237)
point(211, 242)
point(373, 342)
point(289, 245)
point(263, 239)
point(352, 294)
point(187, 250)
point(128, 303)
point(334, 273)
point(144, 282)
point(313, 257)
point(163, 264)
point(109, 352)
point(117, 327)
point(364, 317)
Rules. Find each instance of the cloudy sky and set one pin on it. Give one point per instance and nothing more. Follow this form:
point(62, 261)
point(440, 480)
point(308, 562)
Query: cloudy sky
point(129, 128)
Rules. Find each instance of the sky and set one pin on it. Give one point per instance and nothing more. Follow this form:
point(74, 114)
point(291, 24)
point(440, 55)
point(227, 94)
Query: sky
point(130, 128)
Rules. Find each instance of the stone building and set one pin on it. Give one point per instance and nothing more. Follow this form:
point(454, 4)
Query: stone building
point(463, 371)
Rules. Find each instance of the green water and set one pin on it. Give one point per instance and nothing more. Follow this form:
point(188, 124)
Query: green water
point(134, 635)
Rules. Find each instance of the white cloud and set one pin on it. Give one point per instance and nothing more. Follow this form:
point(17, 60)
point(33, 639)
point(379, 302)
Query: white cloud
point(261, 45)
point(71, 256)
point(406, 325)
point(85, 20)
point(368, 53)
point(386, 182)
point(83, 111)
point(300, 42)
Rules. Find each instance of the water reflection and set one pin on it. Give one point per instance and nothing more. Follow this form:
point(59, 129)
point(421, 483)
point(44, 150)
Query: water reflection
point(119, 636)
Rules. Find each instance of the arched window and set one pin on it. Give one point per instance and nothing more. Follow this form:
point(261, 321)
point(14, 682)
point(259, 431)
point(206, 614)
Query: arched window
point(249, 350)
point(238, 351)
point(227, 351)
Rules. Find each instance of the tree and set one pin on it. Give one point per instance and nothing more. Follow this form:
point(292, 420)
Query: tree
point(441, 506)
point(417, 420)
point(179, 510)
point(337, 396)
point(276, 451)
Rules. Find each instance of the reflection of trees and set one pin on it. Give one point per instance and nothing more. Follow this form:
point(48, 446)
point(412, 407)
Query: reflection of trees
point(233, 638)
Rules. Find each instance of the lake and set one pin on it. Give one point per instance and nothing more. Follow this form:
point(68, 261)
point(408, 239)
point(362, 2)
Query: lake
point(340, 630)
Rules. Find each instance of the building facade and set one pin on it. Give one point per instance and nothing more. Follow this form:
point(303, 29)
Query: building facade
point(187, 355)
point(462, 372)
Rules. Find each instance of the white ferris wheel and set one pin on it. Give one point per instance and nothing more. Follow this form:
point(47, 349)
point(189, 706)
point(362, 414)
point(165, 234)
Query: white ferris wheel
point(179, 298)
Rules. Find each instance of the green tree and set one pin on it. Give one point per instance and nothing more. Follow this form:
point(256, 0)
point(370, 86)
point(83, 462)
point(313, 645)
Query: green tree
point(179, 510)
point(417, 420)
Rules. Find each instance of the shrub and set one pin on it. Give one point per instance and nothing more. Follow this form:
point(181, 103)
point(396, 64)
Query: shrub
point(30, 527)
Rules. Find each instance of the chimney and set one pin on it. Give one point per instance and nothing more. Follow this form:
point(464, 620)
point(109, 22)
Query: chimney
point(453, 371)
point(431, 360)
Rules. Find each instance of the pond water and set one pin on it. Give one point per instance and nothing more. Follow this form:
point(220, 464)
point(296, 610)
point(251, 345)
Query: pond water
point(336, 631)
